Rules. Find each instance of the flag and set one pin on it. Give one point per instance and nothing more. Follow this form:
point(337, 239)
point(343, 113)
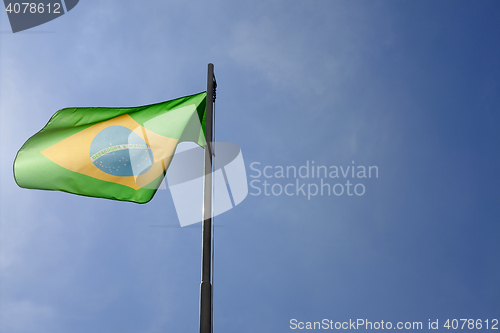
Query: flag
point(113, 153)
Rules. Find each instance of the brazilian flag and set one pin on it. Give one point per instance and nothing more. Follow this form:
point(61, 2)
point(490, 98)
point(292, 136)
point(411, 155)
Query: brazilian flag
point(113, 153)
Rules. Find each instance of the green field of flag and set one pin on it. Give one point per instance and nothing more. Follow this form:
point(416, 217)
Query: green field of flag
point(113, 153)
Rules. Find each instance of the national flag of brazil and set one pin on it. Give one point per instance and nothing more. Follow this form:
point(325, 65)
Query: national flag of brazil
point(113, 153)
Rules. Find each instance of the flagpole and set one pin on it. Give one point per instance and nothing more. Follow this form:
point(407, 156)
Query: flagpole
point(206, 287)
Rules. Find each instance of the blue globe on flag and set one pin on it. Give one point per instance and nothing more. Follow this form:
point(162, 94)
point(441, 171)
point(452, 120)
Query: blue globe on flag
point(118, 151)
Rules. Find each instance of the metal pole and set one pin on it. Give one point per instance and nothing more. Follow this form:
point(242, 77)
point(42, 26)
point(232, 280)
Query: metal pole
point(206, 287)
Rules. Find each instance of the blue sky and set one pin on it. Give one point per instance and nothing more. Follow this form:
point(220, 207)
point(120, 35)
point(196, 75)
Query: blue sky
point(410, 87)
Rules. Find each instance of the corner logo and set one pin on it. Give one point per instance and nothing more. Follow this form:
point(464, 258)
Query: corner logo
point(25, 15)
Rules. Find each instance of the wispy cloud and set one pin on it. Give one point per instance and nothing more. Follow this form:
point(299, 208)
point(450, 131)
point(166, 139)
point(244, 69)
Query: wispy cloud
point(24, 316)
